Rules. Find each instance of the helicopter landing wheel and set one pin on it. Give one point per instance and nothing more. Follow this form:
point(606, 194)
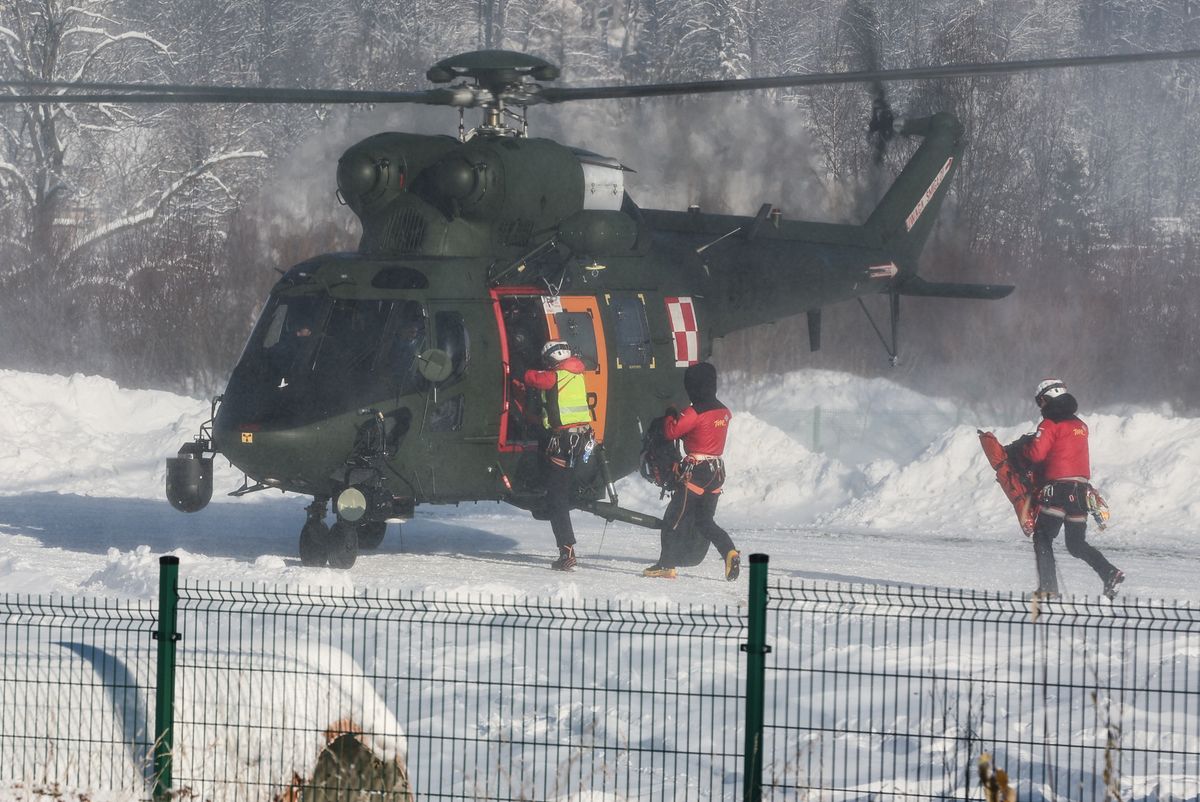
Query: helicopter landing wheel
point(314, 543)
point(343, 545)
point(370, 534)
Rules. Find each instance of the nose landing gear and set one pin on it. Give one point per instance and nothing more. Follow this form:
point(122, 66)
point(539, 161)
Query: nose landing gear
point(343, 545)
point(336, 546)
point(370, 534)
point(314, 537)
point(320, 545)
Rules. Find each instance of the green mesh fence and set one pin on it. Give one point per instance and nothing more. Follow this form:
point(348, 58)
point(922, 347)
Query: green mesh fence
point(871, 693)
point(76, 696)
point(454, 698)
point(893, 693)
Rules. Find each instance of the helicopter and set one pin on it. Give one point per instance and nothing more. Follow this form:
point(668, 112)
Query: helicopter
point(387, 378)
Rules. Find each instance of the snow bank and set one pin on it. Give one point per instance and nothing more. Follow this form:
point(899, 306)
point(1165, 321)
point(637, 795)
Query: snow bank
point(231, 708)
point(87, 436)
point(811, 448)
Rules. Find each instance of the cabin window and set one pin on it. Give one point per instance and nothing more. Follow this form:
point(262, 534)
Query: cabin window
point(447, 416)
point(400, 278)
point(453, 339)
point(404, 336)
point(632, 330)
point(576, 328)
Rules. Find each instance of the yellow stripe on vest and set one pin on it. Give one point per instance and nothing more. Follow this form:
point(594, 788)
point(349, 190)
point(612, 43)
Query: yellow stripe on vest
point(573, 407)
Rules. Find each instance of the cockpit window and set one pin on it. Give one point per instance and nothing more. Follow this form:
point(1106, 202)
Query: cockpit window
point(288, 339)
point(370, 347)
point(313, 356)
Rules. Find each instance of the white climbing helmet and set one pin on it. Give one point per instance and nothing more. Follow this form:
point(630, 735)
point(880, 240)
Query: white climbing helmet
point(1050, 388)
point(556, 351)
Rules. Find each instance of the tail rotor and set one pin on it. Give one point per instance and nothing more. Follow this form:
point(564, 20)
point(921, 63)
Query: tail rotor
point(863, 32)
point(882, 127)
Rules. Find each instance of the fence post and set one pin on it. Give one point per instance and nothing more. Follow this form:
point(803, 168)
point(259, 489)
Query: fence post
point(164, 701)
point(756, 650)
point(816, 438)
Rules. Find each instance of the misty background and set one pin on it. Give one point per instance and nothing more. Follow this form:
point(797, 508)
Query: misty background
point(139, 242)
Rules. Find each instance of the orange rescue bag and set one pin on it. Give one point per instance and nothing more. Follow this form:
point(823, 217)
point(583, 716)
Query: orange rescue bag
point(1018, 485)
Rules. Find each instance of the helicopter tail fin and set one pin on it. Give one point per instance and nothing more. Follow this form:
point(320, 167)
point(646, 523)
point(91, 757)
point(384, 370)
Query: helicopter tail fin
point(905, 216)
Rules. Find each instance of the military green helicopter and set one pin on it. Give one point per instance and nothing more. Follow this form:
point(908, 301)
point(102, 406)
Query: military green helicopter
point(389, 377)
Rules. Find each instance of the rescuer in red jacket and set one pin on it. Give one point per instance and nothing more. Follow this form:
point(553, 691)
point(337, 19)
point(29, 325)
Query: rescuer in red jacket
point(1059, 452)
point(703, 426)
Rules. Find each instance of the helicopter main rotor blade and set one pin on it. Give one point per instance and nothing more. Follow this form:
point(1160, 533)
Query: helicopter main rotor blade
point(563, 94)
point(174, 93)
point(523, 94)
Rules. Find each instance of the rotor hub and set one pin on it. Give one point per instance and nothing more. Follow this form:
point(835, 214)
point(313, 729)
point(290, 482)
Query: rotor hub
point(501, 78)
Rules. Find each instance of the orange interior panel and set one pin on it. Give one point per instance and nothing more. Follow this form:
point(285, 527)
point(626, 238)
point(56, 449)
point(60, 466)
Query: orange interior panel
point(597, 380)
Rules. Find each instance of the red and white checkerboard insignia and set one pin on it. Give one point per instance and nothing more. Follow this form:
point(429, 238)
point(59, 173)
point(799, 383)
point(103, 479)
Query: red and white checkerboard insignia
point(682, 314)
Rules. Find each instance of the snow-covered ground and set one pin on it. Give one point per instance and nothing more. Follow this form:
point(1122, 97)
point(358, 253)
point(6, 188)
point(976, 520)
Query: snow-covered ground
point(898, 491)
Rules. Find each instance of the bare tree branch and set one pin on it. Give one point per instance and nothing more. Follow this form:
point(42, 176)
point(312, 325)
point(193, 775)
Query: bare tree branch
point(154, 206)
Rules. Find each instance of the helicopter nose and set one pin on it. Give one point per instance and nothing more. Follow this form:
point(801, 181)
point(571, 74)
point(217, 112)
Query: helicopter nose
point(297, 458)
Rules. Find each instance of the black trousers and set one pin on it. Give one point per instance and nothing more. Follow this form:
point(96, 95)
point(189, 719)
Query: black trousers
point(1065, 503)
point(561, 451)
point(692, 510)
point(558, 503)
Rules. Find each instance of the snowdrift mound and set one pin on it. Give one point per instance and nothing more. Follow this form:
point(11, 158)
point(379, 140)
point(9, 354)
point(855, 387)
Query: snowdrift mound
point(855, 419)
point(809, 448)
point(85, 435)
point(776, 480)
point(1144, 464)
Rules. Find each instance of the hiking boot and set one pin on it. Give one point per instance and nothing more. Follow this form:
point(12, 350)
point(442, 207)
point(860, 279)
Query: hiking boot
point(566, 559)
point(1110, 584)
point(733, 565)
point(657, 571)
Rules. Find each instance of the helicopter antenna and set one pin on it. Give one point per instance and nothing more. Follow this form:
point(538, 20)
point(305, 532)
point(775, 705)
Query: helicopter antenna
point(555, 289)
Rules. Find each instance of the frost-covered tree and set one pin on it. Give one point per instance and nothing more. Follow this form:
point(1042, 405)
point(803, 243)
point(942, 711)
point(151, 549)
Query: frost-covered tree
point(75, 175)
point(130, 236)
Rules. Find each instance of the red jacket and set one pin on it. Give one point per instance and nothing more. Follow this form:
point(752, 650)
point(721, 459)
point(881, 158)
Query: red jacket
point(702, 432)
point(1060, 448)
point(546, 379)
point(559, 411)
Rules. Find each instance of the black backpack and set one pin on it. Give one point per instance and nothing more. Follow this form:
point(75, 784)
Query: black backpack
point(660, 457)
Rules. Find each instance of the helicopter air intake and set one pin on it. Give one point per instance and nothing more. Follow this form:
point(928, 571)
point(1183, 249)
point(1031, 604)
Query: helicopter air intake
point(434, 195)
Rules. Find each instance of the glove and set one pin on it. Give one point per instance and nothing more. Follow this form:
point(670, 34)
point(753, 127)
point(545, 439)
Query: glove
point(673, 411)
point(1015, 451)
point(1020, 442)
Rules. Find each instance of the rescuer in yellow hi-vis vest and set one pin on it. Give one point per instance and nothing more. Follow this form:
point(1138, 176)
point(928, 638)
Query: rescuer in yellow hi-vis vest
point(568, 419)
